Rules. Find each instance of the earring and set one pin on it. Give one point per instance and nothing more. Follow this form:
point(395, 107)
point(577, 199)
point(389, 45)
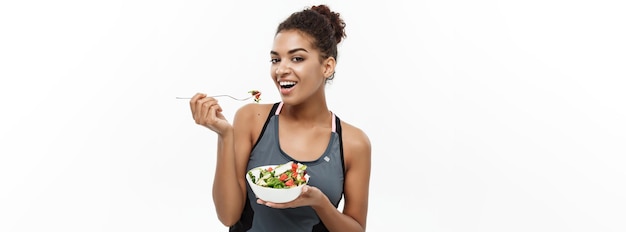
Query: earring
point(332, 76)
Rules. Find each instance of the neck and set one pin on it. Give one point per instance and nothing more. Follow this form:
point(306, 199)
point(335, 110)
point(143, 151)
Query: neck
point(307, 112)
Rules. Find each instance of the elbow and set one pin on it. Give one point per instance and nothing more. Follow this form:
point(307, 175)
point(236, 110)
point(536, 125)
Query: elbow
point(228, 214)
point(227, 220)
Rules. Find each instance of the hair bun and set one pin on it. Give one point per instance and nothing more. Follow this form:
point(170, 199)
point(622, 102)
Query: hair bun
point(335, 20)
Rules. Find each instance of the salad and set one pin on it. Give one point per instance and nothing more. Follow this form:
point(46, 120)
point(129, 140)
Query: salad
point(288, 175)
point(256, 94)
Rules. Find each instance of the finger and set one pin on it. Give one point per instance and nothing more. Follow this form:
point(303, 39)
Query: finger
point(304, 191)
point(269, 204)
point(219, 108)
point(265, 203)
point(213, 111)
point(197, 96)
point(206, 111)
point(194, 99)
point(198, 110)
point(273, 205)
point(204, 102)
point(307, 192)
point(204, 107)
point(193, 103)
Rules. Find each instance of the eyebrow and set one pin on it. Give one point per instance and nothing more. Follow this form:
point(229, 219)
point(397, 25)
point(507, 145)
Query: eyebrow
point(290, 51)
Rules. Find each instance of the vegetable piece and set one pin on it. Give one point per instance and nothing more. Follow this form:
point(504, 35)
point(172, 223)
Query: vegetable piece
point(288, 175)
point(256, 94)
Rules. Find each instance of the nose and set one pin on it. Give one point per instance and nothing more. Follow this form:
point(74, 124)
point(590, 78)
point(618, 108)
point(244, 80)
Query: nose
point(281, 70)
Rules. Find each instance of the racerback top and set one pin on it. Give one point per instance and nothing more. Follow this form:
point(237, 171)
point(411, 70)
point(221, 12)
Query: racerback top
point(326, 173)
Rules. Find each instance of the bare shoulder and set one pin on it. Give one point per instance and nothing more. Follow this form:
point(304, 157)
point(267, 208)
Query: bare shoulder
point(251, 110)
point(356, 143)
point(250, 118)
point(354, 137)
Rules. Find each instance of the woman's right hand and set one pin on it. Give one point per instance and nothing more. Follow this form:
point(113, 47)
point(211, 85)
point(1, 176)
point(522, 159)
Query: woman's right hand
point(207, 112)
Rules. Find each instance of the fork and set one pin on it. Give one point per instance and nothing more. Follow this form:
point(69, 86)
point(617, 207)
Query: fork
point(222, 95)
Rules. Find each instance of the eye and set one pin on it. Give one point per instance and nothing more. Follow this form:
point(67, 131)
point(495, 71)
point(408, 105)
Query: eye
point(297, 59)
point(274, 60)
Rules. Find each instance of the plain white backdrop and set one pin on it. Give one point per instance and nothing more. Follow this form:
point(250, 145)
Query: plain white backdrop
point(483, 115)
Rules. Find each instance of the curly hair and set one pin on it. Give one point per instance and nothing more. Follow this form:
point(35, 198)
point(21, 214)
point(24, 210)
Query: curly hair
point(323, 25)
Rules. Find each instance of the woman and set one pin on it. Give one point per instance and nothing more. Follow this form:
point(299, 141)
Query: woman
point(299, 128)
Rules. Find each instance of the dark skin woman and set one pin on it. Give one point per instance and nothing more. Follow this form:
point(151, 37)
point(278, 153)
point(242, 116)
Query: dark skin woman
point(303, 59)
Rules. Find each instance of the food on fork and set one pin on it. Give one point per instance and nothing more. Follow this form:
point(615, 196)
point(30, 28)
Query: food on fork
point(256, 94)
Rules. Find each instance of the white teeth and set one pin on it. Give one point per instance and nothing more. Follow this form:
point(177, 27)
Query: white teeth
point(283, 83)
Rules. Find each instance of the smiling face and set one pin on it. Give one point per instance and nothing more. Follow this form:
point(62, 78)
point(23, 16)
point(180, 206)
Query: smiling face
point(298, 69)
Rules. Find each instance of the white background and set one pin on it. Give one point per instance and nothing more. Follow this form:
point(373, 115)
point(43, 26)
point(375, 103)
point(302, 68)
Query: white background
point(483, 115)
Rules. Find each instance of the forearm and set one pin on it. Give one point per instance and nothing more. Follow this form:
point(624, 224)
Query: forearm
point(227, 193)
point(334, 220)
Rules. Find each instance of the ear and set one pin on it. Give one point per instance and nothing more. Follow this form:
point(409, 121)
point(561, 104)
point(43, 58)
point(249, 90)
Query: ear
point(328, 67)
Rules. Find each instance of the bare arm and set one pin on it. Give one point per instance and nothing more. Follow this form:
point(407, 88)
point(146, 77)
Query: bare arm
point(229, 189)
point(227, 194)
point(357, 155)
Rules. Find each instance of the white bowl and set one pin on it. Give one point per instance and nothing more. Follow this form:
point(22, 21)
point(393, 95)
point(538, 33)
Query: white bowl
point(272, 194)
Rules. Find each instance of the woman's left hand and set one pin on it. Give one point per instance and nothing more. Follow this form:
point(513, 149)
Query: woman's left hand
point(310, 196)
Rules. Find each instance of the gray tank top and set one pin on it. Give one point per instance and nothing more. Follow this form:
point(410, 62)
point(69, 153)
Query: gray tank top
point(326, 173)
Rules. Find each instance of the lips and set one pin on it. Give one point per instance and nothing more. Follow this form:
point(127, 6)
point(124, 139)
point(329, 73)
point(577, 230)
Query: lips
point(286, 86)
